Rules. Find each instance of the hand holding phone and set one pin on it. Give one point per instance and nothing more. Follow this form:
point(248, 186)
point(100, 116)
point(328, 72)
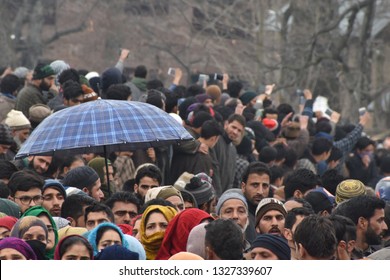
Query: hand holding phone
point(362, 111)
point(171, 71)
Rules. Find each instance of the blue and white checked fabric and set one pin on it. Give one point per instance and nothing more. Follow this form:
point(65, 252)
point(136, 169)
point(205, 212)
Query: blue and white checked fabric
point(95, 126)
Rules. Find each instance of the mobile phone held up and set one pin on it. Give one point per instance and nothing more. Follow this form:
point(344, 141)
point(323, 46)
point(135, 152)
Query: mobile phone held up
point(218, 77)
point(203, 77)
point(171, 71)
point(362, 111)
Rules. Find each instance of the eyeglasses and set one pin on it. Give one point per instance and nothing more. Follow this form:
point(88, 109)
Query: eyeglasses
point(121, 213)
point(26, 200)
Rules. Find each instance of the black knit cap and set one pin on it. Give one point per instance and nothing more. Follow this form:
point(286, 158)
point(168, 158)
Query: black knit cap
point(276, 244)
point(5, 135)
point(80, 177)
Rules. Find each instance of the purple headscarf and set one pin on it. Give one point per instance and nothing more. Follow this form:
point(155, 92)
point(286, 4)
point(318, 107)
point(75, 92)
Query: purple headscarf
point(19, 245)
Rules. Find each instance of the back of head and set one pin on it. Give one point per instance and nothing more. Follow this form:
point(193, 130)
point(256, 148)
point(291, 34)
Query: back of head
point(140, 71)
point(118, 92)
point(72, 90)
point(319, 201)
point(225, 239)
point(234, 88)
point(211, 128)
point(320, 146)
point(74, 205)
point(299, 180)
point(69, 75)
point(9, 84)
point(80, 177)
point(317, 236)
point(267, 154)
point(345, 228)
point(330, 180)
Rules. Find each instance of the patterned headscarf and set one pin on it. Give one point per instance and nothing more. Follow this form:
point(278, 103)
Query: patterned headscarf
point(153, 242)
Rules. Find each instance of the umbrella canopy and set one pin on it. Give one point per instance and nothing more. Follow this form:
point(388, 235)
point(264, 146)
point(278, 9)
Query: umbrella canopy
point(104, 126)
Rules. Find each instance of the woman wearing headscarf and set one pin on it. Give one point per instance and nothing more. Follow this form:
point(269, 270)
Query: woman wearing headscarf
point(6, 224)
point(44, 215)
point(104, 235)
point(34, 231)
point(154, 222)
point(12, 248)
point(73, 247)
point(176, 235)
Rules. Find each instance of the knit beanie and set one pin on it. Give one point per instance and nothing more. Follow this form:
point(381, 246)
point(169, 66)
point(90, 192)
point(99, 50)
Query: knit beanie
point(42, 71)
point(348, 189)
point(5, 135)
point(21, 72)
point(16, 120)
point(203, 97)
point(201, 188)
point(267, 204)
point(59, 66)
point(110, 76)
point(225, 197)
point(80, 177)
point(9, 207)
point(51, 183)
point(275, 244)
point(38, 112)
point(246, 97)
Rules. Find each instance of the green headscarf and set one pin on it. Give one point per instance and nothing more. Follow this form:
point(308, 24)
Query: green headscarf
point(36, 211)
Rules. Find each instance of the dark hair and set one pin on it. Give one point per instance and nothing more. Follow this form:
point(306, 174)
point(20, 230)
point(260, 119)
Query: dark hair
point(194, 90)
point(73, 205)
point(364, 142)
point(151, 171)
point(255, 168)
point(4, 191)
point(234, 88)
point(235, 117)
point(118, 92)
point(69, 74)
point(140, 71)
point(317, 235)
point(301, 179)
point(99, 207)
point(267, 154)
point(323, 125)
point(199, 118)
point(24, 181)
point(302, 201)
point(360, 206)
point(154, 84)
point(71, 90)
point(330, 179)
point(290, 158)
point(321, 145)
point(211, 128)
point(276, 173)
point(9, 84)
point(291, 216)
point(344, 227)
point(281, 150)
point(125, 197)
point(385, 164)
point(67, 161)
point(156, 201)
point(7, 168)
point(72, 240)
point(225, 238)
point(335, 154)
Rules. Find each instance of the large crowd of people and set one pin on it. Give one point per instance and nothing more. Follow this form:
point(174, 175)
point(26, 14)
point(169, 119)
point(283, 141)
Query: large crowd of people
point(260, 180)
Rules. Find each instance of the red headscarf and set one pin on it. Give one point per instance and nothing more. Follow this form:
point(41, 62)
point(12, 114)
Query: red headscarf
point(176, 234)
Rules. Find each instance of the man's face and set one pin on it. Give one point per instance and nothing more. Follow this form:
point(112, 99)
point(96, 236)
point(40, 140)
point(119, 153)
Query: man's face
point(74, 101)
point(376, 227)
point(259, 253)
point(272, 222)
point(124, 212)
point(46, 83)
point(96, 191)
point(28, 199)
point(235, 209)
point(22, 134)
point(40, 163)
point(145, 184)
point(52, 201)
point(96, 218)
point(234, 130)
point(256, 187)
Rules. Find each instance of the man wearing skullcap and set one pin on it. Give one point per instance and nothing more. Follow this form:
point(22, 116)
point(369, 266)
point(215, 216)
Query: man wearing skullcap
point(348, 189)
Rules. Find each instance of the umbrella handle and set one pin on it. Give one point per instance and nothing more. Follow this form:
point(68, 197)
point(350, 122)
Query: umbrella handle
point(107, 173)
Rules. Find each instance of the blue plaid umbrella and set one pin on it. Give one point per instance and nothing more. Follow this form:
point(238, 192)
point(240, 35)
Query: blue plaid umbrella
point(103, 126)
